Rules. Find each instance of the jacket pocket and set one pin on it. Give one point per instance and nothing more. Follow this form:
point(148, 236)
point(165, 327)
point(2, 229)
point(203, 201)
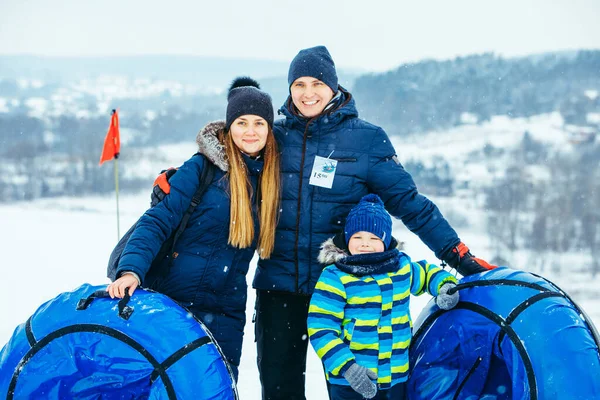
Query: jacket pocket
point(362, 336)
point(218, 272)
point(344, 159)
point(185, 276)
point(227, 271)
point(348, 331)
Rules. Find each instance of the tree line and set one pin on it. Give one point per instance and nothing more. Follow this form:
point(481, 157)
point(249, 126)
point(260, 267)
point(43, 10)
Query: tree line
point(549, 215)
point(432, 95)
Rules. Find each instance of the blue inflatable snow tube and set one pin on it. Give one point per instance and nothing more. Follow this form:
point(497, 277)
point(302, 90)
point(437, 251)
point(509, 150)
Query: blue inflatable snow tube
point(85, 345)
point(513, 335)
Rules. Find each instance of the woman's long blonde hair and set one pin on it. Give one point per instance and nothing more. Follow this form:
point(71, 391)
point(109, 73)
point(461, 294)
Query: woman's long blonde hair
point(241, 224)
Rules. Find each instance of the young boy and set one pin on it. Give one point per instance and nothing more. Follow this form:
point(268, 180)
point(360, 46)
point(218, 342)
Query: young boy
point(358, 320)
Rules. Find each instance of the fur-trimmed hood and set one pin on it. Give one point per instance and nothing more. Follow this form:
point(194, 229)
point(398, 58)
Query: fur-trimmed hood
point(330, 252)
point(210, 146)
point(333, 249)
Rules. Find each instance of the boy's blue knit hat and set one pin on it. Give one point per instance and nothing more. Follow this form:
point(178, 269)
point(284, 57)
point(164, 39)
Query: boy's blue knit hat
point(315, 62)
point(369, 215)
point(245, 97)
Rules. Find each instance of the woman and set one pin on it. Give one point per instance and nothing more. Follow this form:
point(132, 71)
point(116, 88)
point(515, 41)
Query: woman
point(330, 159)
point(237, 213)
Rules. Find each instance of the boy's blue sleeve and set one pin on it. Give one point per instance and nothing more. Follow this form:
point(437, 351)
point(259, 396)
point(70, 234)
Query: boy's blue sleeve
point(325, 321)
point(428, 277)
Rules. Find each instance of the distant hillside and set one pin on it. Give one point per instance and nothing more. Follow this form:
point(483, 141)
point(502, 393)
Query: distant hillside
point(47, 123)
point(436, 95)
point(207, 72)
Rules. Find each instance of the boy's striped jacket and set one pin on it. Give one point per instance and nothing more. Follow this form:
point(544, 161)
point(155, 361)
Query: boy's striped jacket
point(360, 313)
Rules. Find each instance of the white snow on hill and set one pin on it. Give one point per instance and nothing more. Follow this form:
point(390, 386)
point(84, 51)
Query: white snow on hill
point(501, 131)
point(106, 90)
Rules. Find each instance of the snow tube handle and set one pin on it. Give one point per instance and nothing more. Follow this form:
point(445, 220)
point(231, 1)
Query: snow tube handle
point(497, 282)
point(125, 311)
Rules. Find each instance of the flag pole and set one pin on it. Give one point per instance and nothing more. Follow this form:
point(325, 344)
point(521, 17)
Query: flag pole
point(111, 150)
point(117, 194)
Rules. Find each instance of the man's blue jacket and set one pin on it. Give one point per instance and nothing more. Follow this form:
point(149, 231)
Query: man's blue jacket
point(366, 163)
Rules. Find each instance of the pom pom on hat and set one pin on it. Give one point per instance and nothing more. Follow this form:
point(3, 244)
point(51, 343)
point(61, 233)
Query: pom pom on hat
point(245, 97)
point(242, 81)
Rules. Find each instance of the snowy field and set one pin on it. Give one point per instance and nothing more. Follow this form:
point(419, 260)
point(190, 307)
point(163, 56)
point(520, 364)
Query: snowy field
point(52, 246)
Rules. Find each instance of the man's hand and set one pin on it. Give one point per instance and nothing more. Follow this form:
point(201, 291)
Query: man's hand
point(465, 263)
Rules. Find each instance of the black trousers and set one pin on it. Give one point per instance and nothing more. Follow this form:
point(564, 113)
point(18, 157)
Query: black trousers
point(281, 341)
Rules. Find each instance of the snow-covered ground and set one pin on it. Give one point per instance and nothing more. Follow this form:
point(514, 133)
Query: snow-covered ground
point(52, 246)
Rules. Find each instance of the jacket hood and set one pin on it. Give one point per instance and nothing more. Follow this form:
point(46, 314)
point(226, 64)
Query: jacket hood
point(347, 108)
point(210, 146)
point(333, 250)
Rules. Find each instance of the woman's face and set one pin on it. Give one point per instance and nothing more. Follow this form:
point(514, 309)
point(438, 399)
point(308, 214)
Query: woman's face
point(310, 95)
point(249, 133)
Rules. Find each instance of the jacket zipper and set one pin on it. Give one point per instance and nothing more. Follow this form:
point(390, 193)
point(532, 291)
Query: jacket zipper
point(296, 253)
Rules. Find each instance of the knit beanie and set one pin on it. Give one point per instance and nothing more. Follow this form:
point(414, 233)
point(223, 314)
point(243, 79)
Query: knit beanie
point(315, 62)
point(369, 215)
point(245, 97)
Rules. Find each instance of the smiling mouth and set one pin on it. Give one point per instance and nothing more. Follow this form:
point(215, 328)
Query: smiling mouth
point(310, 103)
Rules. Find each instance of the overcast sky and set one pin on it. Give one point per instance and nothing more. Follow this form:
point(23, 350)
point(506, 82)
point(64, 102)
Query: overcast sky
point(366, 34)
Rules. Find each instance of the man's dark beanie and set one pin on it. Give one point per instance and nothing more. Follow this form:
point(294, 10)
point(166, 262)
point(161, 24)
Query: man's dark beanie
point(317, 63)
point(245, 97)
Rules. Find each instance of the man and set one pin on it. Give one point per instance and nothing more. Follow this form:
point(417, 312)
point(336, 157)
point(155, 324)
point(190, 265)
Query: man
point(330, 160)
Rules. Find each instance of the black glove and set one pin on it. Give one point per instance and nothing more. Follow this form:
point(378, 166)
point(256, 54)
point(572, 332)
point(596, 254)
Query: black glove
point(161, 186)
point(461, 259)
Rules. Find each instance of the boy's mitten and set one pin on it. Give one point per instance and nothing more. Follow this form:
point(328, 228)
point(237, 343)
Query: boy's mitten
point(444, 300)
point(360, 379)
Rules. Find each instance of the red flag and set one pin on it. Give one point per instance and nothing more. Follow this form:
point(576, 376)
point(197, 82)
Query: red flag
point(112, 142)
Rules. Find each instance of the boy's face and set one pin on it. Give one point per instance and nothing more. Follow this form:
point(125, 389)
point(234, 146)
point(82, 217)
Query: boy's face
point(365, 242)
point(310, 95)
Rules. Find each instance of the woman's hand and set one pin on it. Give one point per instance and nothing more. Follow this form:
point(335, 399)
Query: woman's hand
point(118, 287)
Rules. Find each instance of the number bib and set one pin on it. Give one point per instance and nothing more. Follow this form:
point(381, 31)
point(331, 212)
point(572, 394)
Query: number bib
point(323, 172)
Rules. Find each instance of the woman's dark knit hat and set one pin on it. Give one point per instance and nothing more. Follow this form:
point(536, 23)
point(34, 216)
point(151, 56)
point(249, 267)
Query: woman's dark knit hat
point(245, 97)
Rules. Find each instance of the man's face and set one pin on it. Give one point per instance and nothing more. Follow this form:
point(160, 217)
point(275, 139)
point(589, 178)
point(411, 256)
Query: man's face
point(310, 95)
